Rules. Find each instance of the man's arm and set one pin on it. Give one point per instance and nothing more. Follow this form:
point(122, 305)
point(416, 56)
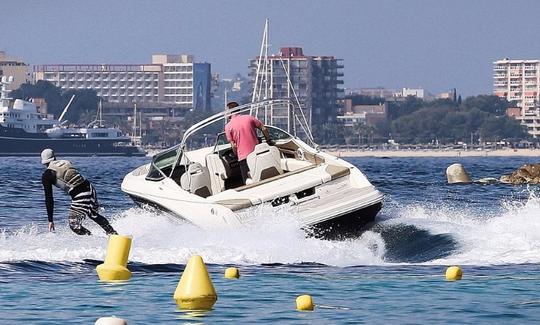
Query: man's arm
point(266, 134)
point(48, 180)
point(229, 137)
point(259, 125)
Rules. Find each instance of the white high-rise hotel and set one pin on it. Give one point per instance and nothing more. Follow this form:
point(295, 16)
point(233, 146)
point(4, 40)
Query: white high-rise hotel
point(518, 81)
point(168, 79)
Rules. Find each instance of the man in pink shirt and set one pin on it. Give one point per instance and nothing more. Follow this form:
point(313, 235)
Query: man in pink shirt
point(242, 134)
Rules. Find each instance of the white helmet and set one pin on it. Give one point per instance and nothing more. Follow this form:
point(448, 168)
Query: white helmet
point(47, 156)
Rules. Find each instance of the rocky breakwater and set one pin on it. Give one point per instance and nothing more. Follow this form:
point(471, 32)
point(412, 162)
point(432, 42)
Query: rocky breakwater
point(526, 174)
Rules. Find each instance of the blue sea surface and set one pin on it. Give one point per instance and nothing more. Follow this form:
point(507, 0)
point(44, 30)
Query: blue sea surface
point(393, 273)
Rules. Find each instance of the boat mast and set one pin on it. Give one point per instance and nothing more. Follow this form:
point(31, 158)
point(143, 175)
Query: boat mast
point(100, 115)
point(261, 89)
point(65, 109)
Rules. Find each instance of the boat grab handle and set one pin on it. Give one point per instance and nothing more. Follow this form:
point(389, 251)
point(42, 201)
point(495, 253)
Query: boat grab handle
point(304, 199)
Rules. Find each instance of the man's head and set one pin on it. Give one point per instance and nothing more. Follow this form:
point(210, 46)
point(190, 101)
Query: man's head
point(47, 156)
point(230, 107)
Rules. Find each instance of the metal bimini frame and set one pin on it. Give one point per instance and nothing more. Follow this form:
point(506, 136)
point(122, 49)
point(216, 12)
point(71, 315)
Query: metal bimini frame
point(250, 107)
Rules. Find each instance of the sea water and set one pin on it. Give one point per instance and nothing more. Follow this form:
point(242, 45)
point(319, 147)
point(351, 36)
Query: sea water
point(393, 273)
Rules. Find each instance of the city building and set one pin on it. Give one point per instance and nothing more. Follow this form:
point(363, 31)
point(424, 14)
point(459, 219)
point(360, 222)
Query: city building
point(168, 79)
point(390, 94)
point(518, 81)
point(370, 115)
point(117, 83)
point(531, 120)
point(15, 68)
point(225, 90)
point(415, 92)
point(378, 92)
point(315, 80)
point(451, 95)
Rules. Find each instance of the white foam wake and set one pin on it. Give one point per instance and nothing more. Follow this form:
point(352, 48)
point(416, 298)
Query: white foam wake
point(484, 237)
point(158, 238)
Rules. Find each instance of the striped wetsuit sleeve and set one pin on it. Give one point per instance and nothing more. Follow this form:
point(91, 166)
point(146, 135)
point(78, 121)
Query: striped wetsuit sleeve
point(48, 179)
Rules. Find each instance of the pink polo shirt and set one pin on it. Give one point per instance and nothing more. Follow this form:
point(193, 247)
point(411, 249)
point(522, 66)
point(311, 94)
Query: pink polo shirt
point(242, 131)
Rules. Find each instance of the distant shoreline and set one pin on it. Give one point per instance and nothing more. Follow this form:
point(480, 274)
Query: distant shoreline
point(436, 153)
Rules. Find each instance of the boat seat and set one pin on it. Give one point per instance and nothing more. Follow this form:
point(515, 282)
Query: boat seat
point(218, 172)
point(196, 180)
point(264, 162)
point(292, 164)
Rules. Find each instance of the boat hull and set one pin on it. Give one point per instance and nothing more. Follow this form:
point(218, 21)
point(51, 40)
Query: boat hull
point(11, 146)
point(349, 225)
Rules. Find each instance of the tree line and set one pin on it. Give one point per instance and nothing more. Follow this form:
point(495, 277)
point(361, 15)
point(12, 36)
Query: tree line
point(443, 121)
point(81, 111)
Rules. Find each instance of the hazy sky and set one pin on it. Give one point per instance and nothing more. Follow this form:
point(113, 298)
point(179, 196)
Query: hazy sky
point(433, 44)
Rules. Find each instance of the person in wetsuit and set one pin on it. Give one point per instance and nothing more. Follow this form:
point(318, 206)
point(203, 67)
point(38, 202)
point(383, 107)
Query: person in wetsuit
point(84, 202)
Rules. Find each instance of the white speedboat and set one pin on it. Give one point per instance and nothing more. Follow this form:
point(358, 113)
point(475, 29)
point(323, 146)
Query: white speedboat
point(330, 197)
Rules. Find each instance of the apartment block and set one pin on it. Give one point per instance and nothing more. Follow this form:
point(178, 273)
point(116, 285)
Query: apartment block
point(15, 68)
point(120, 83)
point(370, 115)
point(518, 81)
point(415, 92)
point(379, 92)
point(168, 79)
point(315, 80)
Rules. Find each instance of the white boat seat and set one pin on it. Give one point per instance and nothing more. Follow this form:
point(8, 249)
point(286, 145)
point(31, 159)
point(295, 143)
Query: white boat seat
point(196, 180)
point(218, 172)
point(292, 164)
point(264, 162)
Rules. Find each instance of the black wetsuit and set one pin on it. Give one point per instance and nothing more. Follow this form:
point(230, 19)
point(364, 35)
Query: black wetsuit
point(84, 204)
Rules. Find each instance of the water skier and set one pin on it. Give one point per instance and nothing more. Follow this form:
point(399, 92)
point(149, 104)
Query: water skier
point(84, 202)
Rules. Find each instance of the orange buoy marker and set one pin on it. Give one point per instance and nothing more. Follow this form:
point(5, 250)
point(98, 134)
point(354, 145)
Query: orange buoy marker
point(453, 273)
point(115, 266)
point(232, 273)
point(195, 290)
point(304, 302)
point(110, 321)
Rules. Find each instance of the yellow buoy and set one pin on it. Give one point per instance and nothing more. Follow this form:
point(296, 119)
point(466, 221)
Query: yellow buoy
point(195, 290)
point(453, 273)
point(232, 273)
point(304, 302)
point(115, 266)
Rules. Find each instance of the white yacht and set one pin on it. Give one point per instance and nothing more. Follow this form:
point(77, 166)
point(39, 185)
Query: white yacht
point(25, 132)
point(330, 197)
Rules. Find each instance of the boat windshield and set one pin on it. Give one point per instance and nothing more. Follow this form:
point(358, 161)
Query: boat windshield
point(163, 163)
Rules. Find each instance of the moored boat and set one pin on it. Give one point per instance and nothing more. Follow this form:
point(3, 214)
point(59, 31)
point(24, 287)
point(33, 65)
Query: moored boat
point(24, 132)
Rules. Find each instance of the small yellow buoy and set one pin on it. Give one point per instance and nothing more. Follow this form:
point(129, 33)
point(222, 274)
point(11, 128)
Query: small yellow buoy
point(232, 273)
point(115, 266)
point(195, 290)
point(304, 302)
point(453, 273)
